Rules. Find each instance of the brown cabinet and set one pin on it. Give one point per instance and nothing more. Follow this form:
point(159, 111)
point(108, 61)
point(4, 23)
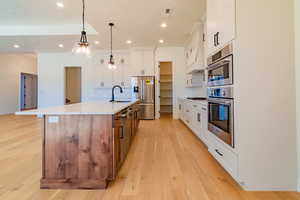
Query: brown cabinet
point(125, 127)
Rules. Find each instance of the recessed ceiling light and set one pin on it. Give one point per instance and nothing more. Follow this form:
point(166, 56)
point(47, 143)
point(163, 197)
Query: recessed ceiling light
point(16, 46)
point(60, 45)
point(163, 25)
point(60, 5)
point(161, 41)
point(97, 42)
point(128, 41)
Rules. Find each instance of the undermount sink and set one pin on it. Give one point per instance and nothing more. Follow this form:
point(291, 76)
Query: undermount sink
point(120, 101)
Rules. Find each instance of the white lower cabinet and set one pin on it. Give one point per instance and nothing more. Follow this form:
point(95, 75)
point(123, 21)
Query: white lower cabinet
point(227, 158)
point(195, 116)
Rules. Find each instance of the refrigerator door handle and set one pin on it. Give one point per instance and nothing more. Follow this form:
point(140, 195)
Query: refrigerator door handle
point(143, 89)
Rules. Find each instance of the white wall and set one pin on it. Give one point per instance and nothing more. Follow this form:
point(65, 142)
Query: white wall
point(265, 125)
point(176, 56)
point(11, 66)
point(297, 64)
point(51, 77)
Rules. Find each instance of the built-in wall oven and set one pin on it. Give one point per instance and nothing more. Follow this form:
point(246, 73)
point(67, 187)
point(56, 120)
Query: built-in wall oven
point(220, 114)
point(220, 67)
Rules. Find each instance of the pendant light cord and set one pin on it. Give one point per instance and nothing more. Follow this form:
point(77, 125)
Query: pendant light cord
point(83, 15)
point(111, 43)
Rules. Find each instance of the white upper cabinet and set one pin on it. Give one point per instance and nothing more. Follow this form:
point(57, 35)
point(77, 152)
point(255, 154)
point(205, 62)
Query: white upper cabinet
point(121, 76)
point(194, 51)
point(142, 61)
point(220, 24)
point(106, 77)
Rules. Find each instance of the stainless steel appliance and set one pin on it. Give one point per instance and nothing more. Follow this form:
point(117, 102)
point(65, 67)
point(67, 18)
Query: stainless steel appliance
point(143, 88)
point(220, 67)
point(220, 114)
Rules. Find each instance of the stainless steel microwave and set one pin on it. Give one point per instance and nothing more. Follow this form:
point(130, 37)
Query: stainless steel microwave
point(220, 67)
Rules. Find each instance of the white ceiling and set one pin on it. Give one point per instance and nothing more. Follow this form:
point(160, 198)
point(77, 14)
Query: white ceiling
point(137, 20)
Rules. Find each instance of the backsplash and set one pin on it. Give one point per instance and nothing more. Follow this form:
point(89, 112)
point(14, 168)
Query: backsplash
point(105, 94)
point(196, 92)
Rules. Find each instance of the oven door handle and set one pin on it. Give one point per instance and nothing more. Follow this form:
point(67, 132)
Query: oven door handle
point(220, 63)
point(221, 101)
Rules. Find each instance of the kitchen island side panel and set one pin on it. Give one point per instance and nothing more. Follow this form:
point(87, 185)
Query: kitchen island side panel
point(77, 151)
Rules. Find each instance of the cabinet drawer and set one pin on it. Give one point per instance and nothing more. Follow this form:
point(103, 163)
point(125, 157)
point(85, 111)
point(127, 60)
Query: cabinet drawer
point(227, 158)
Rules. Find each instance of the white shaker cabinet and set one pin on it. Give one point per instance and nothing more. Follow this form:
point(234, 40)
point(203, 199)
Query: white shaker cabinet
point(204, 124)
point(142, 61)
point(220, 24)
point(194, 115)
point(121, 75)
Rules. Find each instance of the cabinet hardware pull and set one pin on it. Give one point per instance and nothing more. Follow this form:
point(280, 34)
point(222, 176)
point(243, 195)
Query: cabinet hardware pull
point(199, 117)
point(204, 109)
point(217, 34)
point(214, 39)
point(218, 152)
point(122, 132)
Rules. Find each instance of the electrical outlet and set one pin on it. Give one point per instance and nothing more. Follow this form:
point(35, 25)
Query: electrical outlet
point(53, 119)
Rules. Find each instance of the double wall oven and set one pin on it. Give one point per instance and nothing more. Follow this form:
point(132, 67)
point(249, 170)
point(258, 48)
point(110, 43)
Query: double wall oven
point(220, 95)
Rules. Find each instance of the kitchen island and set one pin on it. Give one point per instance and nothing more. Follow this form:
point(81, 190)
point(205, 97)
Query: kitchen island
point(85, 144)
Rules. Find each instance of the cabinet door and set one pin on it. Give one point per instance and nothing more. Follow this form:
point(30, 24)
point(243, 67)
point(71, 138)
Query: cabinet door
point(117, 77)
point(148, 63)
point(136, 63)
point(227, 22)
point(213, 9)
point(117, 146)
point(204, 124)
point(142, 62)
point(220, 24)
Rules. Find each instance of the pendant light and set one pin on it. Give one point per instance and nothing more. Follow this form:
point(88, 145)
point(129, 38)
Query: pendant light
point(111, 63)
point(82, 47)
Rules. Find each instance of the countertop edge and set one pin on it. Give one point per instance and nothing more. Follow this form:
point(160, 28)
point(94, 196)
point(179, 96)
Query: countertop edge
point(41, 112)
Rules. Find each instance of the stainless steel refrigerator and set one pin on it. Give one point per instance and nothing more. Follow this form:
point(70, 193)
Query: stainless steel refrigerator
point(143, 88)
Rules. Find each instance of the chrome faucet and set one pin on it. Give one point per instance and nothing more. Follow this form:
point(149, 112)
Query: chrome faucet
point(113, 92)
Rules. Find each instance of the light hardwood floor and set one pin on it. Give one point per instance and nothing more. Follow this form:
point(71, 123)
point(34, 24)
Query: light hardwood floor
point(166, 162)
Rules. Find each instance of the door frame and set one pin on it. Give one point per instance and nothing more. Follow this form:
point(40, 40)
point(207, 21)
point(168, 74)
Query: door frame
point(157, 93)
point(21, 90)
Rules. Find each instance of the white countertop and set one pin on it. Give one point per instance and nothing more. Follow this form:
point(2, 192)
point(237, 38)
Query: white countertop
point(86, 108)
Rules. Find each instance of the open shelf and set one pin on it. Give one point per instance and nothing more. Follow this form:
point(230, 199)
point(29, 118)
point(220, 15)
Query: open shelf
point(166, 81)
point(166, 87)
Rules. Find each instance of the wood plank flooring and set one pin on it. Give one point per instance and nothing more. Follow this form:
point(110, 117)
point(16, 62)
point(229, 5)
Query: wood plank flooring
point(166, 162)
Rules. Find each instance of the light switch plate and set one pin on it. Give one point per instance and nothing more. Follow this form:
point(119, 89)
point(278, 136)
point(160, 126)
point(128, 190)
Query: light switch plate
point(53, 119)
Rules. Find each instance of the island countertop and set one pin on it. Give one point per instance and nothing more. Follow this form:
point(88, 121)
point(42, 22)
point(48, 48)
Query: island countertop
point(103, 107)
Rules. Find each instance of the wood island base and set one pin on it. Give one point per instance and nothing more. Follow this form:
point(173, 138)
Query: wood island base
point(86, 151)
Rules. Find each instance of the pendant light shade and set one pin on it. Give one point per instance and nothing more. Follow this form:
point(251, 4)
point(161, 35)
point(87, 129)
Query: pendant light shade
point(111, 63)
point(82, 47)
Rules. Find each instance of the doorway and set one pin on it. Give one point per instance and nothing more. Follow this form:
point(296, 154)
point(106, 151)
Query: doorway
point(166, 88)
point(29, 85)
point(72, 85)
